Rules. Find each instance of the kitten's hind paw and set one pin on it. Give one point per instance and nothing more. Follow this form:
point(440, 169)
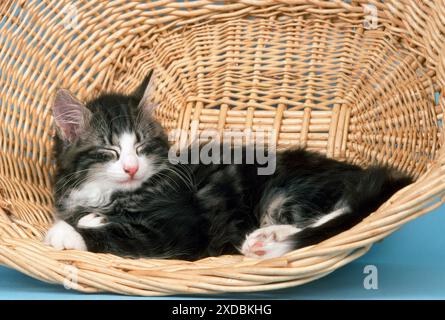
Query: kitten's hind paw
point(92, 220)
point(269, 242)
point(62, 236)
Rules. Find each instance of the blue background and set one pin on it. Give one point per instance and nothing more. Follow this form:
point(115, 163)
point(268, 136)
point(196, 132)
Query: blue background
point(410, 265)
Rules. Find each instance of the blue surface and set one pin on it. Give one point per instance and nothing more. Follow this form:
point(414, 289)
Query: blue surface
point(410, 265)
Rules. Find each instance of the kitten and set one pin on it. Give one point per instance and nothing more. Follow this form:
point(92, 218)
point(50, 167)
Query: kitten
point(116, 190)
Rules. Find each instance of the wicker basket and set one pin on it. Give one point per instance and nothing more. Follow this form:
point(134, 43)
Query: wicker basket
point(354, 80)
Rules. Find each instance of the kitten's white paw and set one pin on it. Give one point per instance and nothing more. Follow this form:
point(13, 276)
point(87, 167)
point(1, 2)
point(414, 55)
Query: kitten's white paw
point(92, 220)
point(269, 242)
point(63, 236)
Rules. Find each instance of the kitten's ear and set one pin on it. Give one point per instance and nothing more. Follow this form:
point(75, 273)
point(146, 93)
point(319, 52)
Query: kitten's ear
point(70, 115)
point(144, 93)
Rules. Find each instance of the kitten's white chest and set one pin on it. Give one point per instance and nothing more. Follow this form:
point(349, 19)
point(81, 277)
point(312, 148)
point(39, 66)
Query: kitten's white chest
point(92, 194)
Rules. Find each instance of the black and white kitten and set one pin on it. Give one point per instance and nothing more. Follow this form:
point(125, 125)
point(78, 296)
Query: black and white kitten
point(116, 190)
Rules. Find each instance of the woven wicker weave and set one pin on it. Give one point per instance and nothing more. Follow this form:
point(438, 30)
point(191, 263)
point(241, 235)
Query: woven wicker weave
point(329, 75)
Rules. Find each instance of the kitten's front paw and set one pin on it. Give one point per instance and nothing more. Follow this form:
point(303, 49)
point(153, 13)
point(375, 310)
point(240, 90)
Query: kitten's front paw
point(269, 242)
point(63, 236)
point(92, 220)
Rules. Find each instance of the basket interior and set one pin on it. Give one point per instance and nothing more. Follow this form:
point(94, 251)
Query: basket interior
point(330, 86)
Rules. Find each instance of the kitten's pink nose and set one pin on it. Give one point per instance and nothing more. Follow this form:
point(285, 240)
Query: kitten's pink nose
point(131, 169)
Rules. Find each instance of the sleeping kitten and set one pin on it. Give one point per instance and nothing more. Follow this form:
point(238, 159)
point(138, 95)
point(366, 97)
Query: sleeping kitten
point(116, 190)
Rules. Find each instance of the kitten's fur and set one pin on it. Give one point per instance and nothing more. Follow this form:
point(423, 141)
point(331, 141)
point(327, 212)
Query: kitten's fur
point(193, 211)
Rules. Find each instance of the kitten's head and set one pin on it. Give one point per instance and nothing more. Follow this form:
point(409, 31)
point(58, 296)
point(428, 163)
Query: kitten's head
point(112, 139)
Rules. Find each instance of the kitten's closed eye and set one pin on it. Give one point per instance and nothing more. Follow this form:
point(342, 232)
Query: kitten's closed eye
point(146, 148)
point(142, 148)
point(115, 153)
point(106, 154)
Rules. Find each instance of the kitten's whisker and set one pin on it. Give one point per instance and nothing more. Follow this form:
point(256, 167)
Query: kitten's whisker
point(188, 182)
point(74, 186)
point(170, 179)
point(70, 177)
